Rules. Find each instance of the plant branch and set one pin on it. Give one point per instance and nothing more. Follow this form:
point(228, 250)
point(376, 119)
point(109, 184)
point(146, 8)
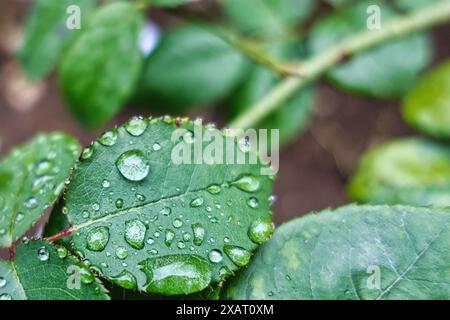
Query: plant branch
point(61, 234)
point(317, 65)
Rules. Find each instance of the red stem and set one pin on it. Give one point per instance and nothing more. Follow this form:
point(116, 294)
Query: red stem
point(12, 252)
point(61, 234)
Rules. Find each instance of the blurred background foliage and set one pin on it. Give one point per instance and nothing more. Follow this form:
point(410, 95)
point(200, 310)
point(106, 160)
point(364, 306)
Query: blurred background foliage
point(198, 59)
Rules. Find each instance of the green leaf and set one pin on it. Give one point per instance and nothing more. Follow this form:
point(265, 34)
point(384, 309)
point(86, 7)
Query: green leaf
point(32, 177)
point(166, 3)
point(99, 72)
point(192, 66)
point(43, 271)
point(47, 35)
point(406, 171)
point(385, 71)
point(161, 227)
point(341, 254)
point(414, 4)
point(267, 17)
point(293, 116)
point(58, 222)
point(339, 3)
point(427, 106)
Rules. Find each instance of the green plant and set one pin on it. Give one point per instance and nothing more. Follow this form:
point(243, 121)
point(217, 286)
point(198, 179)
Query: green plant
point(123, 213)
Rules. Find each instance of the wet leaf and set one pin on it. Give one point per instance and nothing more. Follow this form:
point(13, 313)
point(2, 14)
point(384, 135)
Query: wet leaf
point(32, 177)
point(192, 66)
point(161, 227)
point(96, 83)
point(47, 35)
point(427, 106)
point(167, 3)
point(43, 271)
point(354, 252)
point(406, 171)
point(385, 71)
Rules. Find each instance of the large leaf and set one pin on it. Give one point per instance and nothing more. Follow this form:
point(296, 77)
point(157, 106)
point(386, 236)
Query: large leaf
point(32, 177)
point(427, 106)
point(293, 116)
point(414, 4)
point(166, 3)
point(99, 71)
point(354, 252)
point(151, 224)
point(385, 71)
point(46, 34)
point(43, 271)
point(407, 171)
point(267, 17)
point(192, 66)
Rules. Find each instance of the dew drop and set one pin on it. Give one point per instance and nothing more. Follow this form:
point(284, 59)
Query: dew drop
point(247, 183)
point(43, 167)
point(61, 252)
point(121, 253)
point(5, 296)
point(119, 203)
point(181, 245)
point(156, 147)
point(87, 152)
point(238, 255)
point(166, 211)
point(43, 253)
point(135, 233)
point(140, 197)
point(109, 138)
point(214, 189)
point(272, 199)
point(150, 241)
point(97, 238)
point(177, 223)
point(197, 202)
point(260, 230)
point(153, 251)
point(106, 184)
point(244, 144)
point(136, 126)
point(132, 165)
point(19, 216)
point(2, 282)
point(86, 275)
point(253, 202)
point(31, 203)
point(224, 272)
point(170, 235)
point(215, 256)
point(95, 207)
point(199, 233)
point(125, 279)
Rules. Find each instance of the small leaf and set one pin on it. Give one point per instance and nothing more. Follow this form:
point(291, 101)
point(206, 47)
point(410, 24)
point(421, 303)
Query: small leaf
point(43, 271)
point(156, 226)
point(191, 67)
point(47, 36)
point(166, 3)
point(267, 17)
point(354, 252)
point(385, 71)
point(427, 106)
point(32, 177)
point(293, 116)
point(96, 83)
point(407, 171)
point(414, 4)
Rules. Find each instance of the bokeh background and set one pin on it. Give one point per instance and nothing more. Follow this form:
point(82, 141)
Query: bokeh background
point(314, 168)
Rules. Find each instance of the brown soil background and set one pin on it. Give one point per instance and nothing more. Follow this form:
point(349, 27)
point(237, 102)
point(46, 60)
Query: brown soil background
point(313, 169)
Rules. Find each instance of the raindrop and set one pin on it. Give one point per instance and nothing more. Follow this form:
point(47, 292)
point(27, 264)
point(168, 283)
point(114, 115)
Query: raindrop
point(150, 241)
point(214, 189)
point(247, 183)
point(2, 282)
point(121, 253)
point(108, 138)
point(132, 165)
point(186, 237)
point(181, 245)
point(215, 256)
point(140, 197)
point(97, 238)
point(43, 253)
point(272, 199)
point(260, 230)
point(166, 211)
point(199, 233)
point(238, 255)
point(19, 216)
point(119, 203)
point(253, 202)
point(226, 240)
point(95, 207)
point(43, 167)
point(85, 214)
point(61, 252)
point(5, 296)
point(106, 184)
point(156, 147)
point(177, 223)
point(136, 126)
point(244, 144)
point(176, 274)
point(86, 275)
point(125, 279)
point(87, 152)
point(31, 203)
point(224, 272)
point(170, 235)
point(153, 251)
point(135, 233)
point(197, 202)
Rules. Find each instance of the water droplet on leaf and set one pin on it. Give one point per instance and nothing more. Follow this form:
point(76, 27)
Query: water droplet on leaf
point(135, 233)
point(214, 189)
point(247, 183)
point(108, 138)
point(133, 166)
point(215, 256)
point(199, 233)
point(43, 253)
point(97, 238)
point(260, 230)
point(136, 126)
point(238, 255)
point(125, 279)
point(197, 202)
point(121, 253)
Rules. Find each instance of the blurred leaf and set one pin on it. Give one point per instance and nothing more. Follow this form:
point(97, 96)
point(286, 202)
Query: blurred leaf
point(166, 3)
point(414, 4)
point(169, 228)
point(267, 17)
point(31, 179)
point(339, 3)
point(352, 253)
point(46, 34)
point(99, 72)
point(406, 171)
point(43, 271)
point(385, 71)
point(192, 66)
point(293, 116)
point(427, 106)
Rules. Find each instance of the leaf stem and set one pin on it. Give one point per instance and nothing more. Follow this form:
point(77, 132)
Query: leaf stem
point(314, 67)
point(61, 234)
